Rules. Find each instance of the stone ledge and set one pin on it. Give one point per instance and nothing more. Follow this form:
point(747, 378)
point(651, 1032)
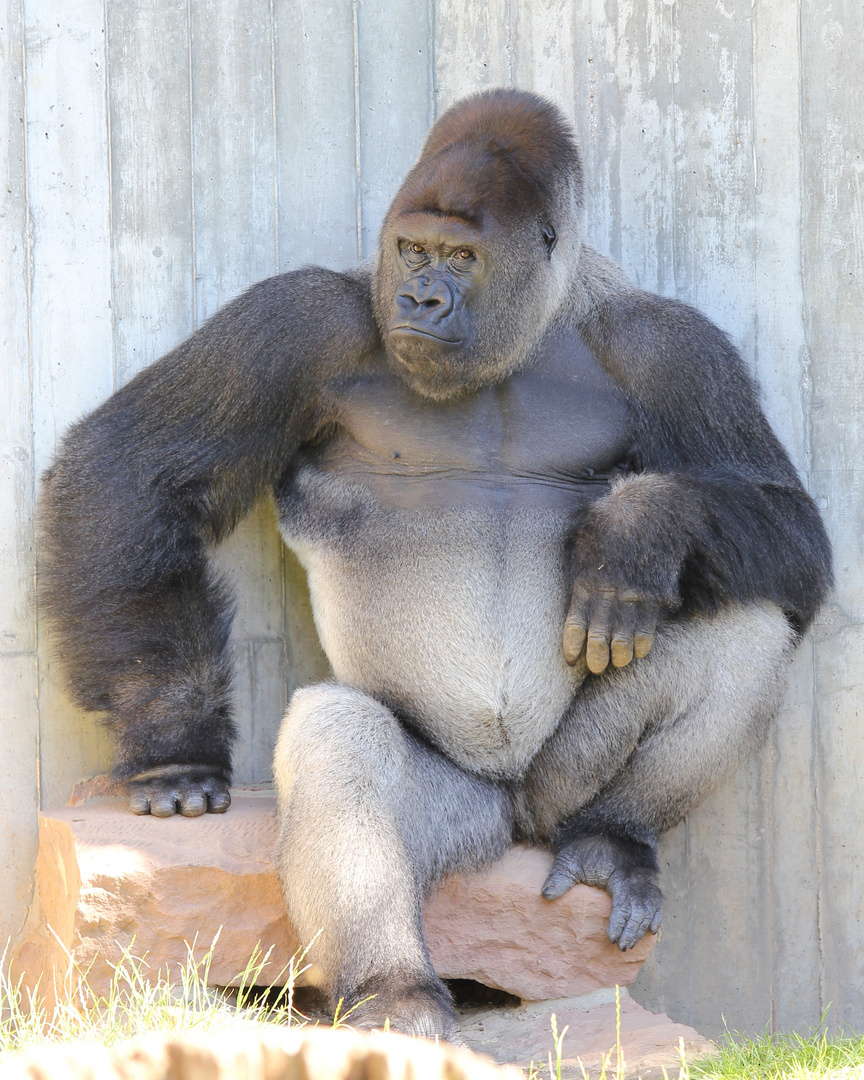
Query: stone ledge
point(106, 877)
point(597, 1030)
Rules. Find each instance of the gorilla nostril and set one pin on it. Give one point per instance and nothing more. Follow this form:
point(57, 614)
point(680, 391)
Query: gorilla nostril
point(407, 301)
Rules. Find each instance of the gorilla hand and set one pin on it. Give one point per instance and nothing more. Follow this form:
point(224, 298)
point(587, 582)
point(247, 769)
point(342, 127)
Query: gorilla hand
point(191, 790)
point(626, 869)
point(627, 558)
point(608, 621)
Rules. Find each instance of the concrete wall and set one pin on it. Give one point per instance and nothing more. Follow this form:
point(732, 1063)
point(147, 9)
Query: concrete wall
point(165, 154)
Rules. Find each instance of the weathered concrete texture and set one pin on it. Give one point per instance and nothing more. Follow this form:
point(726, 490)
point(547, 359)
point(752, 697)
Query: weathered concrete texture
point(106, 877)
point(298, 1054)
point(629, 1039)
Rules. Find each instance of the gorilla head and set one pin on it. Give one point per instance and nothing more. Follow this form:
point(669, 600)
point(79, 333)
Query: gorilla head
point(481, 243)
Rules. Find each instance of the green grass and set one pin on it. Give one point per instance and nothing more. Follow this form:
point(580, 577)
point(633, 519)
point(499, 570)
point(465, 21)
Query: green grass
point(141, 1001)
point(766, 1057)
point(784, 1057)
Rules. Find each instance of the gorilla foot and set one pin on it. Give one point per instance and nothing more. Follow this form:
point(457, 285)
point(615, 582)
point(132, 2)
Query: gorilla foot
point(188, 790)
point(627, 869)
point(420, 1008)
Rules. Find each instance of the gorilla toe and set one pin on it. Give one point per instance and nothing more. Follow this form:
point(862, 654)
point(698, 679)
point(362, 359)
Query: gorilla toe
point(636, 908)
point(190, 796)
point(626, 869)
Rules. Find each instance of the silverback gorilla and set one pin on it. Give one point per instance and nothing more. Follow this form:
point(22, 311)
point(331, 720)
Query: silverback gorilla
point(557, 558)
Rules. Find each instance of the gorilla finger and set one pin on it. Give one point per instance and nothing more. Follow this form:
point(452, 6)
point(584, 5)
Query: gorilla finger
point(645, 925)
point(642, 643)
point(622, 649)
point(193, 803)
point(636, 928)
point(628, 939)
point(622, 639)
point(647, 624)
point(576, 624)
point(599, 632)
point(656, 920)
point(139, 800)
point(164, 803)
point(559, 881)
point(597, 653)
point(618, 919)
point(219, 802)
point(219, 796)
point(573, 641)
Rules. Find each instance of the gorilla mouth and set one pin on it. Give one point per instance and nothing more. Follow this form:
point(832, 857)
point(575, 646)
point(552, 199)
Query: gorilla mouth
point(413, 331)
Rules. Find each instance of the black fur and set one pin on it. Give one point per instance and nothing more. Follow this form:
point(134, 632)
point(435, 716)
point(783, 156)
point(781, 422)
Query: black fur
point(178, 456)
point(744, 526)
point(620, 859)
point(167, 466)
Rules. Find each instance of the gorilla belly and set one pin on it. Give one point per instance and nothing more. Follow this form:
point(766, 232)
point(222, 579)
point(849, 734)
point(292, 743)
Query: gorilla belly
point(452, 617)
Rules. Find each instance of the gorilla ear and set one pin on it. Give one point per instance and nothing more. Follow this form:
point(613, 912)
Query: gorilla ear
point(550, 238)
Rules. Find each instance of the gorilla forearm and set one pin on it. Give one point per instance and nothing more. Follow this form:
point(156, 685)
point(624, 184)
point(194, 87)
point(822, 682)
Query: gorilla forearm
point(170, 463)
point(753, 541)
point(715, 553)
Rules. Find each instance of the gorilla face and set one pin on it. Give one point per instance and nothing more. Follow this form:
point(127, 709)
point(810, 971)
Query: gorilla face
point(459, 304)
point(470, 268)
point(440, 270)
point(443, 266)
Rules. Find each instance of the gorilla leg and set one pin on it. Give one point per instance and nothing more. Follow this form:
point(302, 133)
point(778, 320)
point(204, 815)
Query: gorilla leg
point(370, 816)
point(699, 703)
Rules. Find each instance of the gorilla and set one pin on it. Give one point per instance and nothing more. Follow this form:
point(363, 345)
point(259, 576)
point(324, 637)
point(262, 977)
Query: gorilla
point(557, 558)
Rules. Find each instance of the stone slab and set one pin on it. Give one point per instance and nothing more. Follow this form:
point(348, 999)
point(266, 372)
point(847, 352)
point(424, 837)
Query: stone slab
point(626, 1038)
point(106, 878)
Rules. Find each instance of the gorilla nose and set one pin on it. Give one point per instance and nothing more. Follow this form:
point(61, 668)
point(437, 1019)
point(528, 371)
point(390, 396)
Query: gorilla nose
point(425, 298)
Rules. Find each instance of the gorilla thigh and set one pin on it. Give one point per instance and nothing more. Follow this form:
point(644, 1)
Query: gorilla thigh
point(371, 815)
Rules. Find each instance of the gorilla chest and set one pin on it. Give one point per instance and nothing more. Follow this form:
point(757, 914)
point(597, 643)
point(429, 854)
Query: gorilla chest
point(435, 539)
point(548, 437)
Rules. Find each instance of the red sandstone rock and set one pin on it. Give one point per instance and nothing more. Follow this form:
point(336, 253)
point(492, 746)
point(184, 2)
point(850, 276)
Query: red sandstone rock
point(649, 1042)
point(106, 877)
point(496, 928)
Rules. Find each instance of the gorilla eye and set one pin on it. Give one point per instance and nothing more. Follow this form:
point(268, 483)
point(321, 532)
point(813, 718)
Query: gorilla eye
point(417, 249)
point(464, 253)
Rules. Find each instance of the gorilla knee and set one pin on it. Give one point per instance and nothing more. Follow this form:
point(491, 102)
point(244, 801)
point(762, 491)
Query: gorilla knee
point(336, 732)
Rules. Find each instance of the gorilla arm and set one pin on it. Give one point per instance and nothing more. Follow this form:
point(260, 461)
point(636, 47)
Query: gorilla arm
point(168, 464)
point(712, 512)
